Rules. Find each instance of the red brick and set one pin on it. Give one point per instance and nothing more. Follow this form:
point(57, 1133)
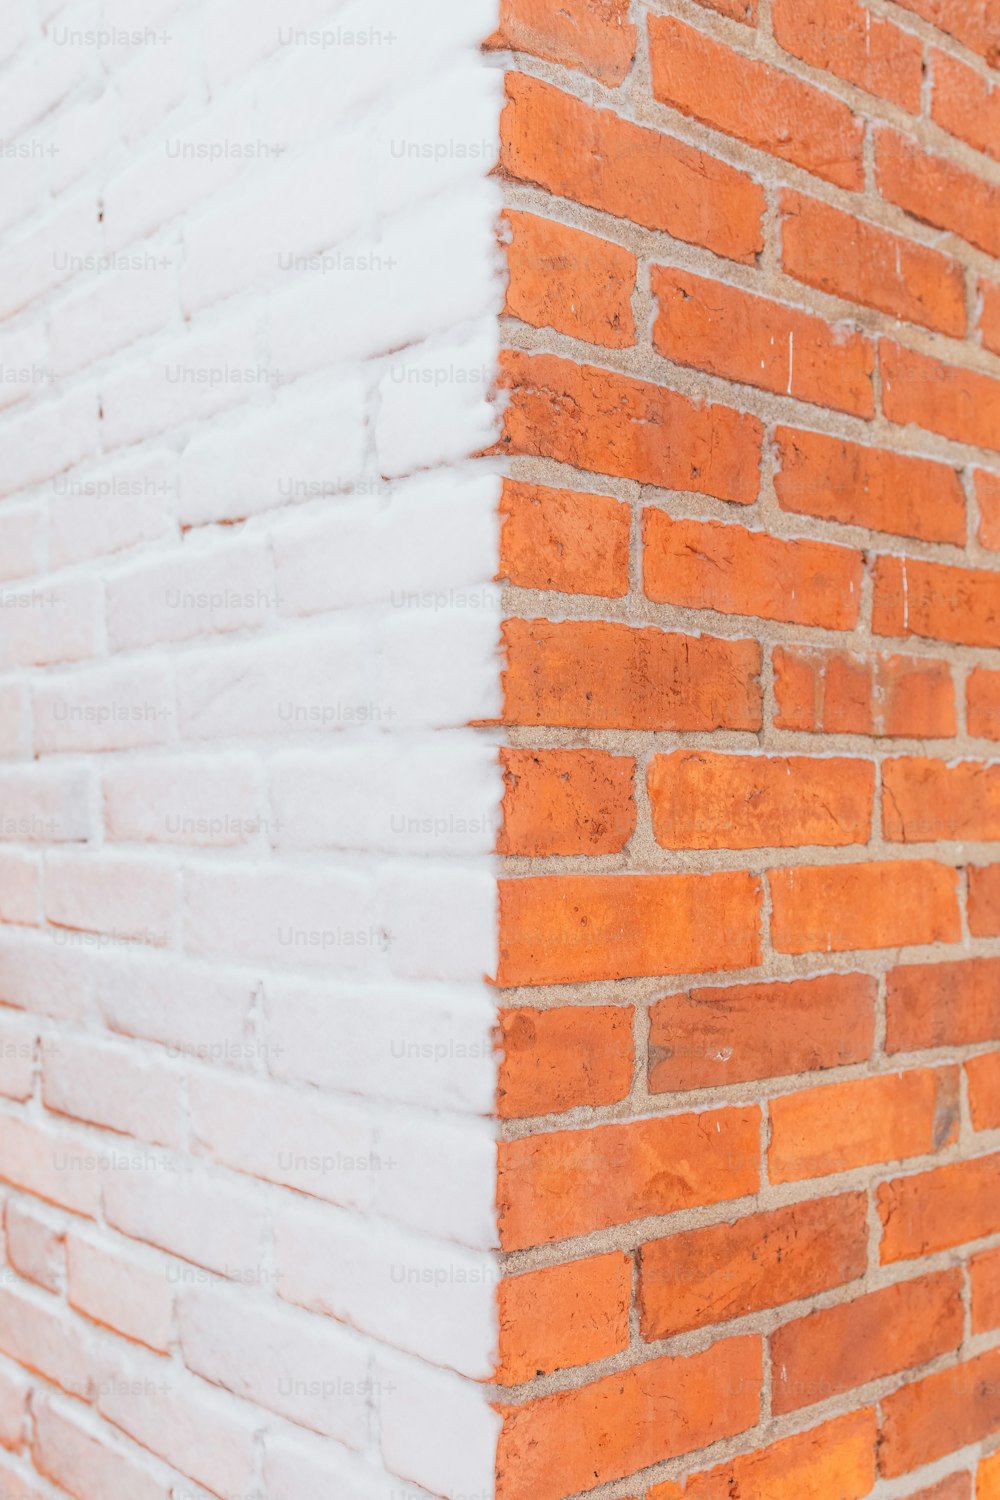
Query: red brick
point(937, 601)
point(983, 1074)
point(701, 800)
point(883, 1333)
point(938, 191)
point(984, 907)
point(882, 491)
point(837, 692)
point(832, 1462)
point(727, 1271)
point(573, 282)
point(938, 1209)
point(844, 38)
point(984, 1278)
point(948, 399)
point(561, 1316)
point(710, 82)
point(595, 36)
point(728, 332)
point(838, 1126)
point(708, 1038)
point(552, 140)
point(573, 1440)
point(565, 929)
point(887, 904)
point(926, 800)
point(943, 1412)
point(566, 802)
point(560, 1059)
point(564, 540)
point(707, 565)
point(611, 424)
point(965, 104)
point(989, 317)
point(601, 675)
point(982, 703)
point(943, 1005)
point(848, 257)
point(970, 21)
point(988, 501)
point(571, 1182)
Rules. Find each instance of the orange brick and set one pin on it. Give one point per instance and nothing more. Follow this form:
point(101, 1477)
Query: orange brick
point(938, 191)
point(832, 1462)
point(948, 399)
point(566, 802)
point(968, 21)
point(601, 675)
point(848, 257)
point(984, 905)
point(983, 1074)
point(943, 1412)
point(708, 1038)
point(844, 38)
point(564, 540)
point(552, 140)
point(838, 692)
point(701, 800)
point(728, 332)
point(840, 481)
point(984, 1278)
point(965, 104)
point(982, 703)
point(710, 82)
point(888, 904)
point(843, 1125)
point(595, 36)
point(937, 601)
point(884, 1333)
point(989, 317)
point(938, 1209)
point(706, 565)
point(573, 1440)
point(988, 501)
point(925, 800)
point(943, 1005)
point(554, 1060)
point(727, 1271)
point(573, 282)
point(565, 929)
point(988, 1478)
point(570, 1182)
point(611, 424)
point(563, 1316)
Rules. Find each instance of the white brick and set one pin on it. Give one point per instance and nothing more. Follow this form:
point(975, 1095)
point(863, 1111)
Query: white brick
point(440, 1177)
point(19, 888)
point(14, 720)
point(24, 363)
point(117, 299)
point(20, 534)
point(35, 1245)
point(18, 1052)
point(437, 1301)
point(129, 900)
point(38, 1336)
point(52, 622)
point(94, 511)
point(309, 1371)
point(121, 1290)
point(45, 978)
point(311, 441)
point(46, 804)
point(189, 1009)
point(299, 1466)
point(439, 137)
point(56, 1165)
point(435, 403)
point(441, 919)
point(208, 803)
point(105, 708)
point(42, 258)
point(110, 1086)
point(296, 1139)
point(48, 439)
point(421, 1044)
point(441, 668)
point(436, 1429)
point(14, 1390)
point(86, 1464)
point(216, 583)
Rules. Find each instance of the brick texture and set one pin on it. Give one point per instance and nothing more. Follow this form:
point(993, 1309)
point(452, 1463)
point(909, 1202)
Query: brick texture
point(769, 670)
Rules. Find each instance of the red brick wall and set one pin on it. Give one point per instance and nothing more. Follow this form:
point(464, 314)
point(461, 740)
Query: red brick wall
point(750, 925)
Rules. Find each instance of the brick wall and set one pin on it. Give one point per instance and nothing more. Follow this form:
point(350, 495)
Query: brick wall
point(749, 1186)
point(249, 287)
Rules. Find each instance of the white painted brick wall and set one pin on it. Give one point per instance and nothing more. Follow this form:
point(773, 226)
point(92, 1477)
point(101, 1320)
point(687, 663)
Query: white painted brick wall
point(247, 897)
